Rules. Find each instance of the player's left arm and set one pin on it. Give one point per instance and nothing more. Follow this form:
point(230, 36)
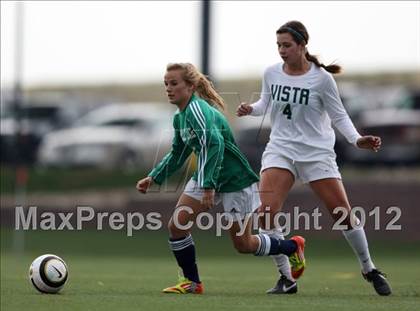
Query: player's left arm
point(341, 120)
point(173, 160)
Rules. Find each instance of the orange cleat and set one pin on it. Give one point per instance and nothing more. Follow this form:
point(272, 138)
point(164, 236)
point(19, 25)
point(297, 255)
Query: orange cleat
point(297, 259)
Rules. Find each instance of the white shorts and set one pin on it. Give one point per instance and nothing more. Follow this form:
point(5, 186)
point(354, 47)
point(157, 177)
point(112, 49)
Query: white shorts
point(305, 171)
point(238, 204)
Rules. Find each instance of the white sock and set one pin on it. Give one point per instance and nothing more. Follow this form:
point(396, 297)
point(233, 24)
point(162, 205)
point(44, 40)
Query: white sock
point(357, 240)
point(264, 245)
point(281, 260)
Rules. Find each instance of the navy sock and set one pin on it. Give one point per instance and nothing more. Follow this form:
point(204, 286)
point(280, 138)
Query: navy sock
point(272, 246)
point(184, 251)
point(286, 247)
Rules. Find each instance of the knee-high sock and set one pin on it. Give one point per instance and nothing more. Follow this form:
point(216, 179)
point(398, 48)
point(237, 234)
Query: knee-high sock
point(184, 251)
point(357, 240)
point(273, 246)
point(281, 260)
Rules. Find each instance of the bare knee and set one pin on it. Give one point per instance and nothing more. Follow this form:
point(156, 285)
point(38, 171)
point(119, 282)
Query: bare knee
point(270, 207)
point(341, 212)
point(177, 230)
point(266, 214)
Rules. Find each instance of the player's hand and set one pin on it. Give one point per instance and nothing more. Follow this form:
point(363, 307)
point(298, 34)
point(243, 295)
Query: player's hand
point(144, 184)
point(208, 198)
point(244, 109)
point(369, 142)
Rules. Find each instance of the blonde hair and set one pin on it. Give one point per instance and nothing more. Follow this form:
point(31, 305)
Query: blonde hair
point(203, 86)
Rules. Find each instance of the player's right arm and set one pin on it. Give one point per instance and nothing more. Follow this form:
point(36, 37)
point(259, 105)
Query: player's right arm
point(244, 109)
point(170, 163)
point(261, 106)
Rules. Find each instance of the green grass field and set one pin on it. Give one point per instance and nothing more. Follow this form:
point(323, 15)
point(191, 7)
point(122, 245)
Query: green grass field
point(108, 271)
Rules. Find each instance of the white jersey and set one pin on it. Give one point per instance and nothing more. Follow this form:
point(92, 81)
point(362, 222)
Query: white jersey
point(302, 108)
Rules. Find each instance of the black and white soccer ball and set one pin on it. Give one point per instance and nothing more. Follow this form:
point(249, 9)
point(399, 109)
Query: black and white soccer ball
point(48, 273)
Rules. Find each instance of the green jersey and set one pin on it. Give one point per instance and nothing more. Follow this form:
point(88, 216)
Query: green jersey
point(204, 130)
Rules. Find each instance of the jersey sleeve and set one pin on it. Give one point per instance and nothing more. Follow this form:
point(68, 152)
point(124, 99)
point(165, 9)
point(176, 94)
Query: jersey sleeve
point(173, 160)
point(211, 145)
point(336, 111)
point(261, 106)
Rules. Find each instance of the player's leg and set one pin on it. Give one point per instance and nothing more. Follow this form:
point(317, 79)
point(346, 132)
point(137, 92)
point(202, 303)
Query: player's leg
point(245, 203)
point(245, 242)
point(240, 205)
point(332, 193)
point(182, 244)
point(275, 185)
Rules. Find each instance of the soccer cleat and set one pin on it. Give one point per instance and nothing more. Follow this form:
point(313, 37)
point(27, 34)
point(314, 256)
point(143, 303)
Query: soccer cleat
point(283, 286)
point(185, 286)
point(297, 259)
point(379, 282)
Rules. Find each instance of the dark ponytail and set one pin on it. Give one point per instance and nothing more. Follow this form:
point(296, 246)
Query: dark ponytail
point(332, 68)
point(300, 35)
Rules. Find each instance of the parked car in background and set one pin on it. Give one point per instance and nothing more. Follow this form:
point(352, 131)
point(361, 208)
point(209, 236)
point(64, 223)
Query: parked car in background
point(123, 136)
point(398, 125)
point(410, 99)
point(37, 117)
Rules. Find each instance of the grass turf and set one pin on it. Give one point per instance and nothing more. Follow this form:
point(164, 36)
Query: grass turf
point(108, 271)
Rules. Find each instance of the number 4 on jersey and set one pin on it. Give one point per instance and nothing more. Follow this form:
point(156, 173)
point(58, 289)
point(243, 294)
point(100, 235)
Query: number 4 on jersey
point(287, 111)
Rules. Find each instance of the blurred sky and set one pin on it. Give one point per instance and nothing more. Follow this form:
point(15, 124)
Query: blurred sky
point(117, 41)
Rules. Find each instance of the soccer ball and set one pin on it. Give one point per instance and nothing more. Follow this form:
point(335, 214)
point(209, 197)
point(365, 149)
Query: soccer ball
point(48, 273)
